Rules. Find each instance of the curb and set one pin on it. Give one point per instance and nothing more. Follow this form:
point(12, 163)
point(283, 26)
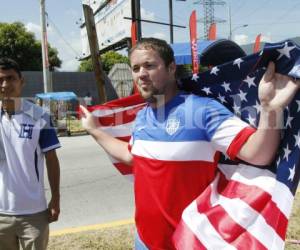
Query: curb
point(91, 227)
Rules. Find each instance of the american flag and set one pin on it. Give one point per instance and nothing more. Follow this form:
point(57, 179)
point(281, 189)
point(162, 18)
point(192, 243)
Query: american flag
point(245, 207)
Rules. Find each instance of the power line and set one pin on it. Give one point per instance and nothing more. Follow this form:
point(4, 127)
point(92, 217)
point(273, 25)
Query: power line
point(60, 34)
point(62, 37)
point(288, 11)
point(255, 10)
point(269, 23)
point(239, 8)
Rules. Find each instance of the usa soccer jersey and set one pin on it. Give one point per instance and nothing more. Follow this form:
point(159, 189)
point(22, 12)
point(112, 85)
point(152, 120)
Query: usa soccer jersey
point(175, 152)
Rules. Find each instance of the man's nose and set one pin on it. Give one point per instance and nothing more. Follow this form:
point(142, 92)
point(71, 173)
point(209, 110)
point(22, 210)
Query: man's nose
point(4, 85)
point(143, 72)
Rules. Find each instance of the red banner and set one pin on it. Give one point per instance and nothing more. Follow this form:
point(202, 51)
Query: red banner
point(256, 47)
point(193, 39)
point(133, 43)
point(212, 33)
point(133, 34)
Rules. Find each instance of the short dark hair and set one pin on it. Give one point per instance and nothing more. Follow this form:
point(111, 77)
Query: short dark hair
point(8, 63)
point(163, 49)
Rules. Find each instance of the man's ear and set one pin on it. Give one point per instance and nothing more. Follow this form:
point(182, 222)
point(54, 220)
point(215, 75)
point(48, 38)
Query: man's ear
point(22, 81)
point(172, 67)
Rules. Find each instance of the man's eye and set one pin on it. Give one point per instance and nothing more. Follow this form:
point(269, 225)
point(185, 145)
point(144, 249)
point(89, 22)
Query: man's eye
point(149, 66)
point(135, 69)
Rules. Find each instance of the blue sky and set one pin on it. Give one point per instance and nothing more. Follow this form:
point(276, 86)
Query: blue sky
point(275, 19)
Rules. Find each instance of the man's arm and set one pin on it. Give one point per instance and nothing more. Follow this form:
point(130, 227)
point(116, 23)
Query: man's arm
point(114, 147)
point(53, 171)
point(275, 92)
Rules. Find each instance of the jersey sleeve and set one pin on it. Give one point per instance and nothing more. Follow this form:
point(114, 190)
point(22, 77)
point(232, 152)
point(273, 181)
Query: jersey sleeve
point(48, 139)
point(226, 132)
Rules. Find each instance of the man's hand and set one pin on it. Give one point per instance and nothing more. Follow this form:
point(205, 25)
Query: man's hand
point(53, 209)
point(88, 121)
point(276, 91)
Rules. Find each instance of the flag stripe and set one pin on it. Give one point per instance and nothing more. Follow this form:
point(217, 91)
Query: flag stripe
point(264, 179)
point(124, 138)
point(228, 228)
point(184, 238)
point(119, 118)
point(198, 224)
point(123, 130)
point(257, 199)
point(242, 229)
point(123, 168)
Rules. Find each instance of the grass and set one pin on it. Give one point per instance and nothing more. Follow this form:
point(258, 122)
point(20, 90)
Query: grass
point(121, 238)
point(294, 224)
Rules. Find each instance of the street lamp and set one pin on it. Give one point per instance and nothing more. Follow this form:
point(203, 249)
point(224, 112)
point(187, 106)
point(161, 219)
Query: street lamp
point(235, 28)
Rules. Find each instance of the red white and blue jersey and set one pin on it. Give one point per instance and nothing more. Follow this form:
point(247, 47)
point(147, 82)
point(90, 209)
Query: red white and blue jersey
point(175, 152)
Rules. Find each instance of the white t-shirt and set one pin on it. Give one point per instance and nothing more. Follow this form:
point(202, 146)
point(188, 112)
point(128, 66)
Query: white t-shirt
point(24, 138)
point(88, 100)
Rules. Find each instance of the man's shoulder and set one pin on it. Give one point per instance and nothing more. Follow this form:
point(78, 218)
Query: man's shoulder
point(199, 100)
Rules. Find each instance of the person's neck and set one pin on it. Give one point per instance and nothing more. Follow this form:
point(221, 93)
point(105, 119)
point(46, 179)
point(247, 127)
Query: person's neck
point(161, 100)
point(10, 105)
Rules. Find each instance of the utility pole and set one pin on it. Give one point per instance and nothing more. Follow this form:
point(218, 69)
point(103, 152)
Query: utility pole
point(171, 21)
point(94, 49)
point(230, 28)
point(46, 72)
point(136, 7)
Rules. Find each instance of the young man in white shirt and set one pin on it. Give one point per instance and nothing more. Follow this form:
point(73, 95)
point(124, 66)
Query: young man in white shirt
point(26, 137)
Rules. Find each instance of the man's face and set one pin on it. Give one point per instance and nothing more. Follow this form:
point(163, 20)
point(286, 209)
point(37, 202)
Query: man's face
point(150, 73)
point(10, 84)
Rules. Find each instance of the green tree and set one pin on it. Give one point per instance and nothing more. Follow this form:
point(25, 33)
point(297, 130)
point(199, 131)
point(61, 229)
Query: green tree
point(86, 65)
point(108, 60)
point(19, 44)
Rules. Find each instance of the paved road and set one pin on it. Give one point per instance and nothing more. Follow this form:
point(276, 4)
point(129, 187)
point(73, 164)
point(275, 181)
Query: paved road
point(92, 191)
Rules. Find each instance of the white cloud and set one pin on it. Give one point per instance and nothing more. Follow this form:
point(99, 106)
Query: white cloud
point(36, 29)
point(33, 27)
point(66, 52)
point(241, 39)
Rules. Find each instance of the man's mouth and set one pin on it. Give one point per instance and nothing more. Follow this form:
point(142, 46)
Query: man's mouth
point(144, 84)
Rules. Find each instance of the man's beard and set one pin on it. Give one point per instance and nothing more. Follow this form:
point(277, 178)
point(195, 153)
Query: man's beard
point(152, 95)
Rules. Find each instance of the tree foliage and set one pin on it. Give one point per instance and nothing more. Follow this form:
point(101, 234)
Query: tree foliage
point(108, 60)
point(19, 44)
